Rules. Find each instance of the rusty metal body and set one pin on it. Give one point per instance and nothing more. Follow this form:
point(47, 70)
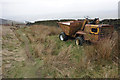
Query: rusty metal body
point(90, 31)
point(70, 27)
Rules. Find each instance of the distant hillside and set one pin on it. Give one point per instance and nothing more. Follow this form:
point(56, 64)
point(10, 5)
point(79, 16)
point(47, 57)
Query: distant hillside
point(114, 22)
point(9, 22)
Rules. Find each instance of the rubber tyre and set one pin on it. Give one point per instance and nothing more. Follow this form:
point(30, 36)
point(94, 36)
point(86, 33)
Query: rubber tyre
point(63, 36)
point(79, 41)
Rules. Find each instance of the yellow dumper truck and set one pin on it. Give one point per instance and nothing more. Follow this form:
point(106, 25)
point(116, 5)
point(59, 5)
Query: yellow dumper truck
point(84, 30)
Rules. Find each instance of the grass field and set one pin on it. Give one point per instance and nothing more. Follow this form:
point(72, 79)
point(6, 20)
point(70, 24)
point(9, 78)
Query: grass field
point(37, 52)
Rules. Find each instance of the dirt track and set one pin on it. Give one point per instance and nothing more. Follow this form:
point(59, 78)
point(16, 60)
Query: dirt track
point(10, 53)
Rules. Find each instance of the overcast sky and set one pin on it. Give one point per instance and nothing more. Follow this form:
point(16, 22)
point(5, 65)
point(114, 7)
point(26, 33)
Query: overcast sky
point(32, 10)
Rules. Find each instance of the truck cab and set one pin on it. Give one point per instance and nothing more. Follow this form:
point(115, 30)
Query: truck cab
point(95, 33)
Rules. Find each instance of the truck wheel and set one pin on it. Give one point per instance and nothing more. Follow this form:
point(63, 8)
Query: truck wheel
point(63, 36)
point(79, 41)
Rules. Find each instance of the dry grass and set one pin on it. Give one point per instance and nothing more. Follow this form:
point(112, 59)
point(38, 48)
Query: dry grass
point(61, 63)
point(40, 32)
point(104, 49)
point(38, 36)
point(41, 49)
point(50, 47)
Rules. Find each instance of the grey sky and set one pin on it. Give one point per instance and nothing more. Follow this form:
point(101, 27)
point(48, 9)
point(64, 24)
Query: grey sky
point(32, 10)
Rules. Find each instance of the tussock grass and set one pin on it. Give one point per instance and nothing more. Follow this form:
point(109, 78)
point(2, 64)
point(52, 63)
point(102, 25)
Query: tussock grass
point(60, 64)
point(104, 49)
point(40, 32)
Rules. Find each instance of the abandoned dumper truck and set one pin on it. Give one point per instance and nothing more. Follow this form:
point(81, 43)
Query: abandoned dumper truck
point(84, 31)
